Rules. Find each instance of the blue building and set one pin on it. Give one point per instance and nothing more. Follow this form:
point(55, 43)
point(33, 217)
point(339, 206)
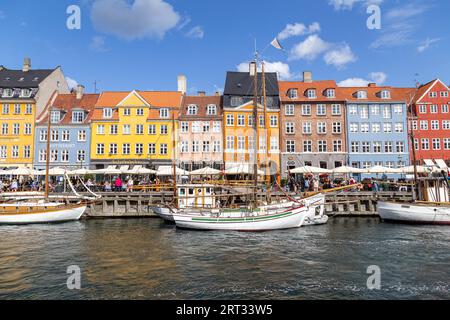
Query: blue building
point(377, 130)
point(70, 133)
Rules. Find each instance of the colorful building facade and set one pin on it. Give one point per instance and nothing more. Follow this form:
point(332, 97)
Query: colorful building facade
point(313, 124)
point(135, 128)
point(24, 95)
point(200, 132)
point(238, 129)
point(70, 131)
point(377, 127)
point(431, 122)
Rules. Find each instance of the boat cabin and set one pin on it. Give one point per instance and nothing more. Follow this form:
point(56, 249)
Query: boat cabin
point(196, 196)
point(434, 189)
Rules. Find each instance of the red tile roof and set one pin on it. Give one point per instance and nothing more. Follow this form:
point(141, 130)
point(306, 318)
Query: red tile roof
point(373, 94)
point(302, 87)
point(202, 102)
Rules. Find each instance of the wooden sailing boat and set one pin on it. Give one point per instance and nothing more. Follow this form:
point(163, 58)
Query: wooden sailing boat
point(286, 214)
point(44, 211)
point(431, 203)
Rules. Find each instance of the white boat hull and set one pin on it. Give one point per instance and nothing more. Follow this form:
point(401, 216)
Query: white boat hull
point(164, 213)
point(414, 213)
point(57, 215)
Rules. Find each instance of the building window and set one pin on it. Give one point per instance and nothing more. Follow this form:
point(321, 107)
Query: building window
point(100, 148)
point(377, 146)
point(126, 148)
point(101, 129)
point(3, 152)
point(423, 125)
point(261, 121)
point(289, 110)
point(436, 144)
point(107, 113)
point(250, 120)
point(81, 135)
point(230, 120)
point(8, 93)
point(290, 146)
point(365, 147)
point(236, 101)
point(423, 108)
point(306, 110)
point(42, 135)
point(387, 112)
point(81, 156)
point(42, 155)
point(447, 143)
point(337, 145)
point(290, 127)
point(293, 93)
point(361, 94)
point(414, 124)
point(192, 110)
point(205, 127)
point(354, 127)
point(54, 135)
point(217, 127)
point(241, 120)
point(353, 110)
point(433, 94)
point(139, 112)
point(25, 93)
point(211, 110)
point(446, 124)
point(55, 116)
point(139, 148)
point(321, 110)
point(17, 109)
point(113, 148)
point(376, 127)
point(336, 109)
point(184, 146)
point(139, 129)
point(184, 127)
point(399, 127)
point(337, 128)
point(15, 152)
point(163, 149)
point(364, 128)
point(366, 164)
point(433, 108)
point(330, 93)
point(5, 129)
point(321, 127)
point(64, 155)
point(387, 127)
point(205, 146)
point(434, 124)
point(127, 112)
point(78, 116)
point(230, 143)
point(126, 129)
point(398, 109)
point(65, 135)
point(444, 94)
point(164, 113)
point(195, 146)
point(307, 146)
point(444, 108)
point(113, 129)
point(28, 129)
point(311, 94)
point(16, 129)
point(274, 121)
point(164, 129)
point(322, 146)
point(151, 129)
point(54, 155)
point(274, 144)
point(27, 152)
point(385, 94)
point(28, 109)
point(196, 127)
point(400, 147)
point(388, 147)
point(364, 112)
point(151, 148)
point(217, 147)
point(241, 143)
point(306, 128)
point(375, 109)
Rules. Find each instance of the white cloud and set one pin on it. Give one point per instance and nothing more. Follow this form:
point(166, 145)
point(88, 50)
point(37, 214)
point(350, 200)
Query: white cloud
point(425, 45)
point(377, 77)
point(340, 56)
point(139, 19)
point(196, 33)
point(309, 49)
point(298, 29)
point(184, 22)
point(348, 4)
point(98, 44)
point(71, 83)
point(279, 67)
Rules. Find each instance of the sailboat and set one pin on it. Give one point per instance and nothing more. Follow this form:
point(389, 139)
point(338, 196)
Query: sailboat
point(289, 213)
point(41, 211)
point(430, 204)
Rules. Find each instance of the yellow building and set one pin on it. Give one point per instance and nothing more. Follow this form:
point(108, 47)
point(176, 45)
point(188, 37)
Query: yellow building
point(23, 96)
point(134, 128)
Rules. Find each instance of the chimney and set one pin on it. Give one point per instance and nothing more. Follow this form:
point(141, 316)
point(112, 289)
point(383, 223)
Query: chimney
point(217, 93)
point(182, 84)
point(26, 65)
point(307, 76)
point(80, 91)
point(372, 85)
point(201, 93)
point(252, 68)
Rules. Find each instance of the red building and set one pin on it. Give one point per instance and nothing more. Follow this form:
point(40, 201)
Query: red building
point(431, 122)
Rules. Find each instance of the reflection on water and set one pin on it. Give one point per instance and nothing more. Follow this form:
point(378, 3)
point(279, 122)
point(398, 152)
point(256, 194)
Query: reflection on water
point(147, 259)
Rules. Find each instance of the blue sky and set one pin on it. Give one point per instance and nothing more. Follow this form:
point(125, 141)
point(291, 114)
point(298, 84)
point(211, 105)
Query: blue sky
point(145, 44)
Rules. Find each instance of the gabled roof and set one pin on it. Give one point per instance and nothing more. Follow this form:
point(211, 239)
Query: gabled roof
point(202, 102)
point(153, 98)
point(20, 79)
point(397, 94)
point(425, 88)
point(69, 102)
point(302, 87)
point(242, 84)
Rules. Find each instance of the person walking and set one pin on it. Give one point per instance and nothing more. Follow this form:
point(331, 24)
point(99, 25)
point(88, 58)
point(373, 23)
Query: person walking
point(118, 184)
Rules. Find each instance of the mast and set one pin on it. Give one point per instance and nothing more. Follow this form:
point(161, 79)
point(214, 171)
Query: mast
point(174, 167)
point(413, 145)
point(255, 129)
point(47, 160)
point(267, 168)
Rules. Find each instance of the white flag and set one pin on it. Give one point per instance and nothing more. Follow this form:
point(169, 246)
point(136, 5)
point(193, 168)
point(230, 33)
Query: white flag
point(276, 44)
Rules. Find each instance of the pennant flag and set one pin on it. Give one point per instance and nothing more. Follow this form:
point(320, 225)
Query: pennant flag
point(276, 44)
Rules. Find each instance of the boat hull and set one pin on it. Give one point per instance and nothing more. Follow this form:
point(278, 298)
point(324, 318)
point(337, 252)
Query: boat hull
point(164, 213)
point(54, 215)
point(413, 213)
point(283, 219)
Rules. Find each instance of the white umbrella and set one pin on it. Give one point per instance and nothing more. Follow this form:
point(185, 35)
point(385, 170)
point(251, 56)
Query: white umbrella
point(168, 171)
point(309, 169)
point(22, 172)
point(144, 171)
point(420, 169)
point(381, 169)
point(205, 171)
point(345, 169)
point(79, 172)
point(53, 172)
point(242, 169)
point(107, 171)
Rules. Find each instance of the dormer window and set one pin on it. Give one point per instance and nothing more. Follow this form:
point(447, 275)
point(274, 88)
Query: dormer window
point(361, 94)
point(164, 113)
point(55, 116)
point(107, 113)
point(211, 110)
point(7, 93)
point(78, 116)
point(192, 109)
point(293, 93)
point(330, 93)
point(311, 93)
point(25, 93)
point(385, 94)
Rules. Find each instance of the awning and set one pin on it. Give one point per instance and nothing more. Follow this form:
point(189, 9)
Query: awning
point(428, 162)
point(205, 171)
point(309, 169)
point(441, 164)
point(168, 171)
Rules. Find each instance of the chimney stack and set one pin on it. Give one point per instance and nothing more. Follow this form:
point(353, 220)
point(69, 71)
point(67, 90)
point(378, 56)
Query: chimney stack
point(182, 84)
point(372, 85)
point(252, 68)
point(217, 93)
point(201, 93)
point(307, 77)
point(26, 65)
point(80, 91)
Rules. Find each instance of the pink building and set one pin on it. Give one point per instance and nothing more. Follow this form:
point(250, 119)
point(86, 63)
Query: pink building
point(200, 132)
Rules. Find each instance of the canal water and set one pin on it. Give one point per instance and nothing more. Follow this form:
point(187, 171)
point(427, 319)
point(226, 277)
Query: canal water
point(148, 259)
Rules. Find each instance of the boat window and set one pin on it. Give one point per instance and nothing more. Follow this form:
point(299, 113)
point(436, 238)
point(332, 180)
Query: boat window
point(182, 192)
point(191, 191)
point(208, 190)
